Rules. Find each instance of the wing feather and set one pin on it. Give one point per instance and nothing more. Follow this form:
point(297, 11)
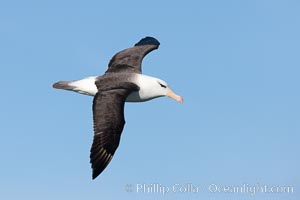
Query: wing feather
point(130, 60)
point(108, 115)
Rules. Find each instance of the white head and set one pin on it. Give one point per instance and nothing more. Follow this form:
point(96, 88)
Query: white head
point(151, 87)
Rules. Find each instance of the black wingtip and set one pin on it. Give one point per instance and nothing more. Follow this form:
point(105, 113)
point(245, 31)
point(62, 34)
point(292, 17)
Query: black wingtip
point(148, 41)
point(96, 173)
point(94, 176)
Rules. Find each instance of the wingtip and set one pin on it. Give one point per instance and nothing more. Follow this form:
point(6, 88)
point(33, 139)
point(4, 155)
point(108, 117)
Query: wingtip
point(96, 173)
point(148, 41)
point(94, 177)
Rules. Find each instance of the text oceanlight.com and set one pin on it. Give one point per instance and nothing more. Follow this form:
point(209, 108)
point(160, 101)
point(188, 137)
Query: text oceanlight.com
point(250, 189)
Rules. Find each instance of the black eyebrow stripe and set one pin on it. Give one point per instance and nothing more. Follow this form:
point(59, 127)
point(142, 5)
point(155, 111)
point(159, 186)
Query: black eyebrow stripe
point(162, 85)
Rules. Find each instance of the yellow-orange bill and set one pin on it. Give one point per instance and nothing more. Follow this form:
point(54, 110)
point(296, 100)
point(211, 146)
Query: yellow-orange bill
point(172, 95)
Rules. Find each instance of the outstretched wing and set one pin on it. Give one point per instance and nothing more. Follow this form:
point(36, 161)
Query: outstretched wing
point(130, 60)
point(108, 114)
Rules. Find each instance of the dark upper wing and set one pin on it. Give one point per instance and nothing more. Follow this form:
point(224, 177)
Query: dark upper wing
point(108, 114)
point(130, 60)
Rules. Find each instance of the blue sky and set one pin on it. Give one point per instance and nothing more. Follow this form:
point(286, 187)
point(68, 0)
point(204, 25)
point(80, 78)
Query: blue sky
point(236, 63)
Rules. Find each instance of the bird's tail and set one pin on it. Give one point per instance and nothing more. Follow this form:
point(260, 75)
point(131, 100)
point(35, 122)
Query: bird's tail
point(64, 85)
point(84, 86)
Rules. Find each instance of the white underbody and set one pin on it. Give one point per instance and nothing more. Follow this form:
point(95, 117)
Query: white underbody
point(147, 92)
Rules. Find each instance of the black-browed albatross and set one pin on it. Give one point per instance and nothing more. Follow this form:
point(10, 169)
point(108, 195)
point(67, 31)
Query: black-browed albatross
point(122, 82)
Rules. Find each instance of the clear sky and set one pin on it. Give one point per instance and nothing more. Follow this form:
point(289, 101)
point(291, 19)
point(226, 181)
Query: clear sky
point(236, 63)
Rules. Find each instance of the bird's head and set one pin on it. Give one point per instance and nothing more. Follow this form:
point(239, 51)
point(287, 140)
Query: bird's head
point(162, 89)
point(152, 87)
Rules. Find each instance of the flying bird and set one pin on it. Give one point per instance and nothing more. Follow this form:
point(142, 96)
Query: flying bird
point(122, 82)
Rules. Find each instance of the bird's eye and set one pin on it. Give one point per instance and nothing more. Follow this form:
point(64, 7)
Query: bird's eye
point(162, 85)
